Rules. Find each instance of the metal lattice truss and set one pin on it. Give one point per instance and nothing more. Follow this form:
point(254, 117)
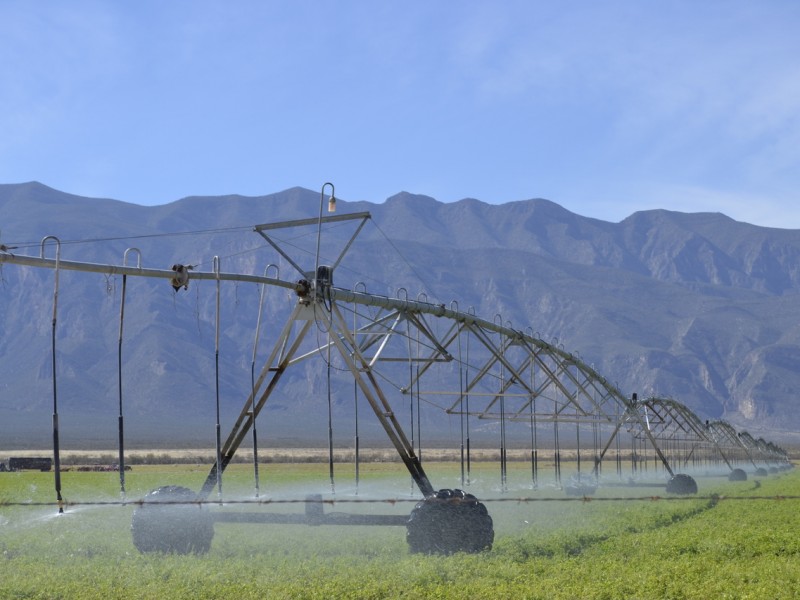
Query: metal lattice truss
point(762, 450)
point(678, 432)
point(462, 364)
point(467, 366)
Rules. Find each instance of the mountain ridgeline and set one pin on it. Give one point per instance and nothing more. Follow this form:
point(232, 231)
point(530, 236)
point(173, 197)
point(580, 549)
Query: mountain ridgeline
point(696, 307)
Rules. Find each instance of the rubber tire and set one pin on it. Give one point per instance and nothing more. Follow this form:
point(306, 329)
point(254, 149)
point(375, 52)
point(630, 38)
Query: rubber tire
point(447, 522)
point(168, 522)
point(681, 484)
point(737, 475)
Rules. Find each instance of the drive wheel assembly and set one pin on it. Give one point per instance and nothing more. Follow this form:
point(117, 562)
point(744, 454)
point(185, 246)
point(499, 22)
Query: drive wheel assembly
point(447, 522)
point(737, 475)
point(169, 521)
point(682, 484)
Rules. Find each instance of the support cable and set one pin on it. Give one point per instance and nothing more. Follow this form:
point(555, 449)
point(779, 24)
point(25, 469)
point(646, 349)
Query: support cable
point(419, 408)
point(355, 408)
point(330, 418)
point(120, 418)
point(216, 383)
point(461, 407)
point(713, 499)
point(56, 448)
point(466, 398)
point(534, 435)
point(556, 444)
point(411, 397)
point(253, 375)
point(578, 443)
point(503, 464)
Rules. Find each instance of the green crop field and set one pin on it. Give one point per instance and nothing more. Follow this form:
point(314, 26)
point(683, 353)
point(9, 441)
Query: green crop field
point(733, 540)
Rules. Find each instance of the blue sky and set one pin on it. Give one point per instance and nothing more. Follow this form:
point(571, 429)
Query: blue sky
point(603, 107)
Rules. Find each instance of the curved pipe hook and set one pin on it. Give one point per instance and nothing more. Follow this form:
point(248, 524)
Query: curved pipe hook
point(261, 308)
point(272, 266)
point(58, 263)
point(405, 295)
point(58, 247)
point(138, 257)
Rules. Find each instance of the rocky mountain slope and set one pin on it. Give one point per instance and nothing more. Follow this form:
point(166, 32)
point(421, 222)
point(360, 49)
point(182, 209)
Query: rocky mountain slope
point(697, 307)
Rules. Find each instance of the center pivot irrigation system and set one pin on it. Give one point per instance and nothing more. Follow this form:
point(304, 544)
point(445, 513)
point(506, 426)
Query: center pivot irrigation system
point(474, 369)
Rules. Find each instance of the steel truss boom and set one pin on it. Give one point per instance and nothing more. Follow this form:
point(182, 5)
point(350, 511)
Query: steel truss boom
point(508, 374)
point(558, 372)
